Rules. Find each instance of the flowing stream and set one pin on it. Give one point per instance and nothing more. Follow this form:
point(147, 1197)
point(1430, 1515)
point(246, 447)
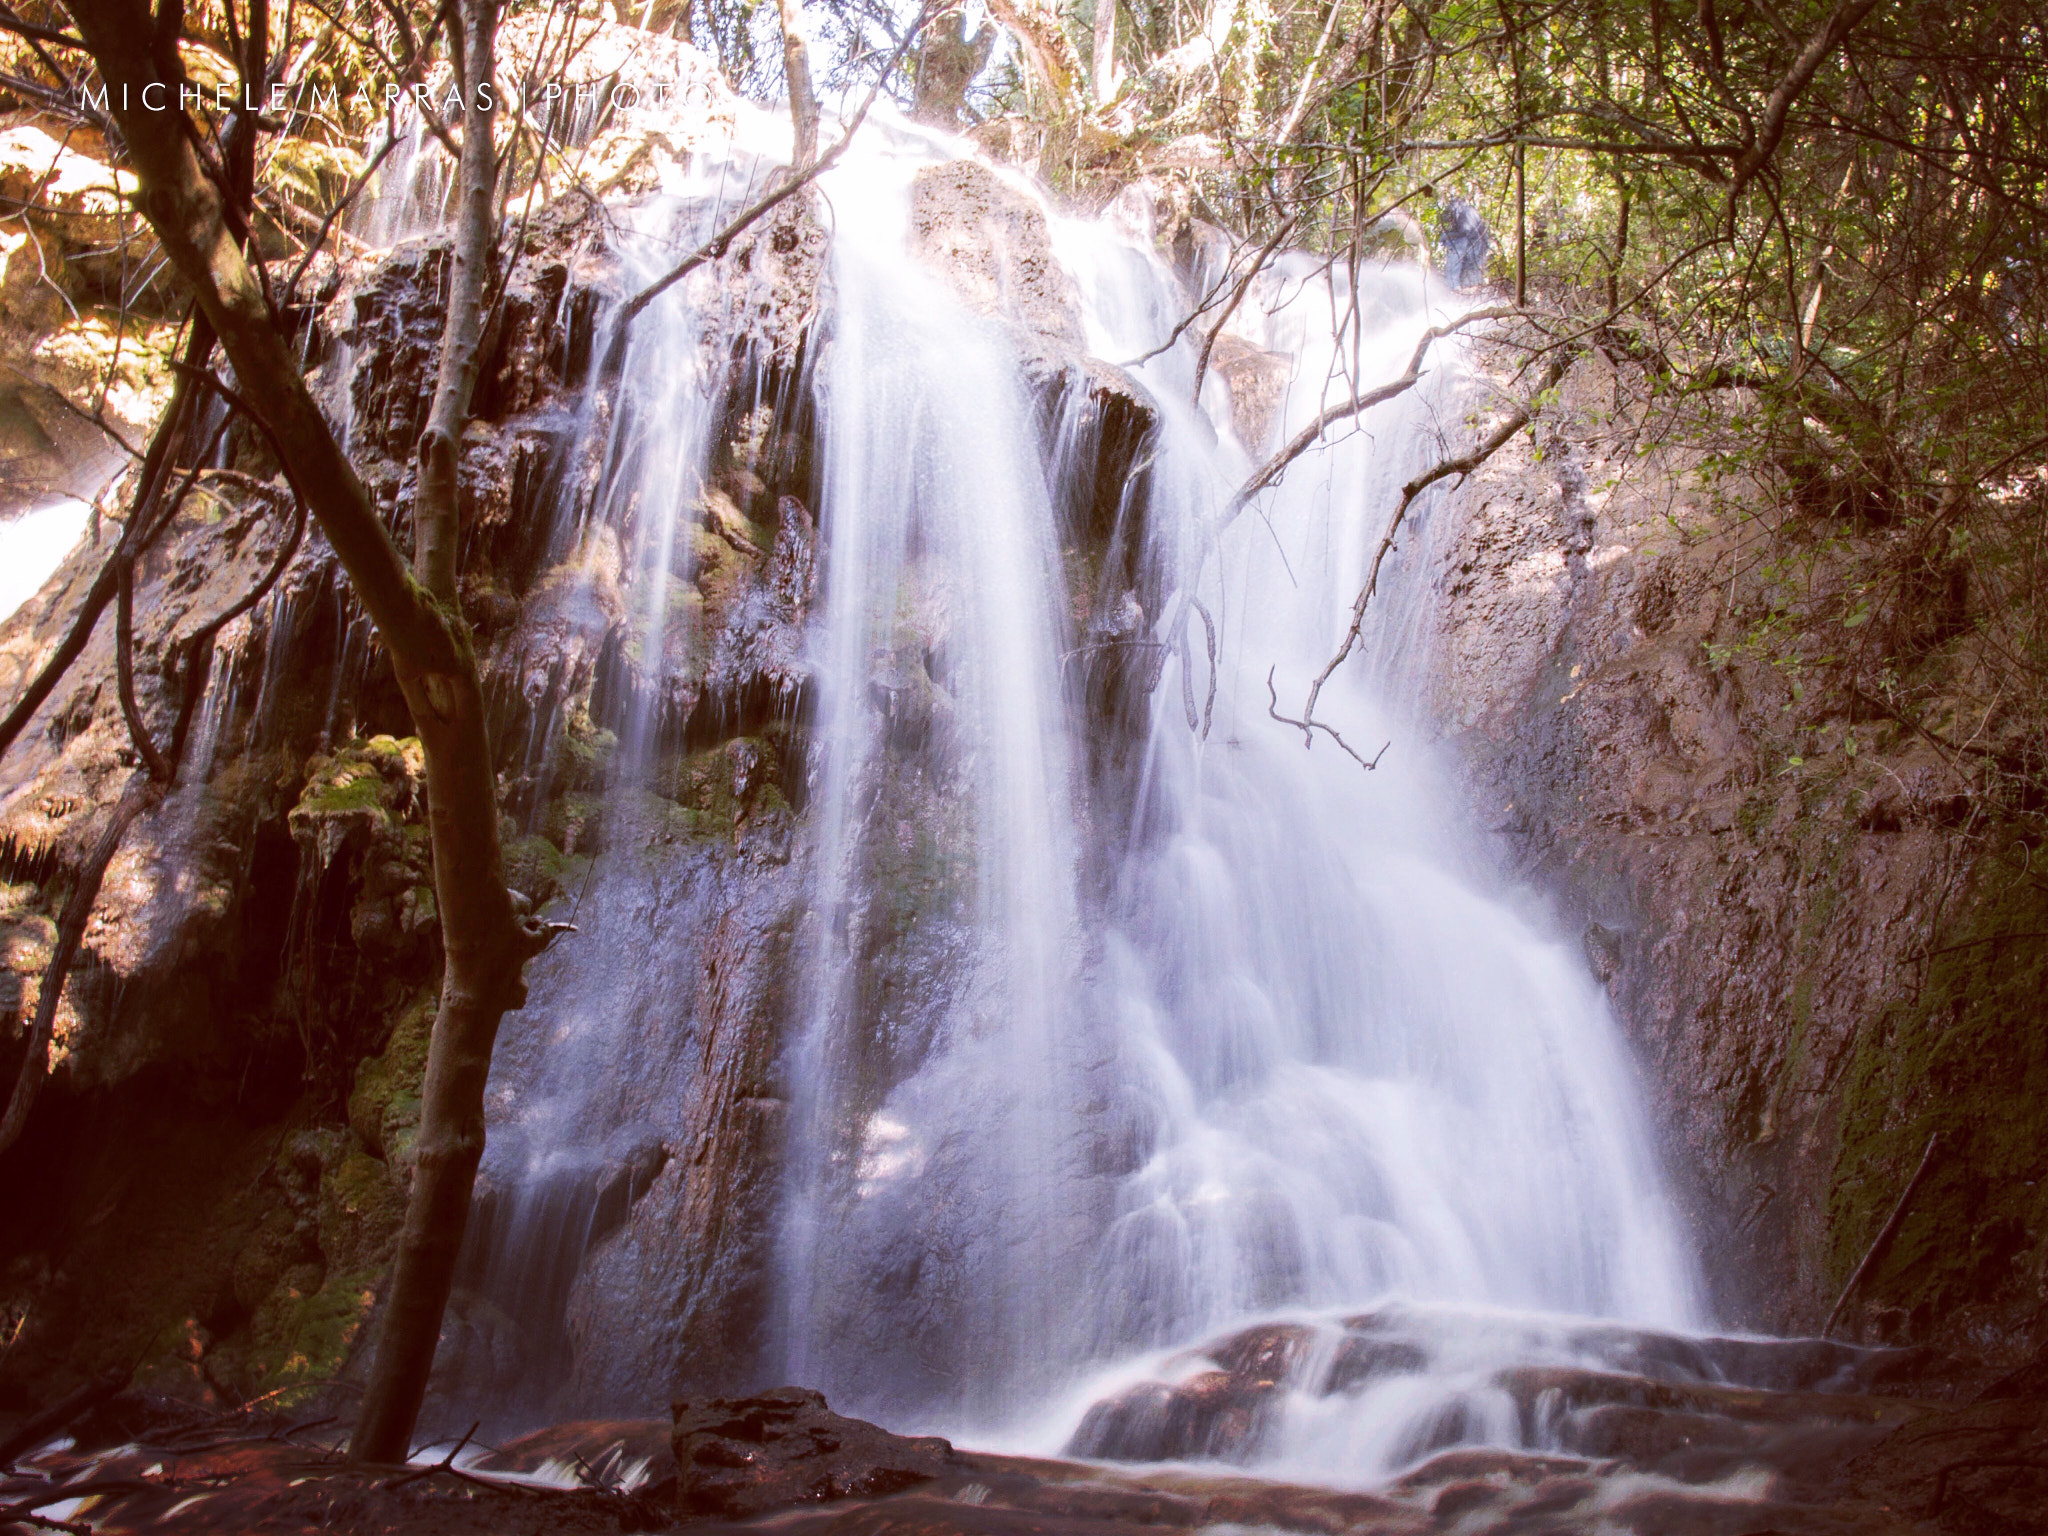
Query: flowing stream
point(1075, 1076)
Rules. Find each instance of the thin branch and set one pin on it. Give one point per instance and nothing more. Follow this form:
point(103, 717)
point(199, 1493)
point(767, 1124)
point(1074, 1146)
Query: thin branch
point(291, 289)
point(1244, 285)
point(1271, 471)
point(198, 646)
point(10, 22)
point(1309, 727)
point(1462, 465)
point(1884, 1236)
point(124, 669)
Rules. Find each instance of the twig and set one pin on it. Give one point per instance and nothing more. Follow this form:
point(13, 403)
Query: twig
point(291, 289)
point(1462, 465)
point(1244, 285)
point(1271, 471)
point(445, 1464)
point(1308, 727)
point(1884, 1235)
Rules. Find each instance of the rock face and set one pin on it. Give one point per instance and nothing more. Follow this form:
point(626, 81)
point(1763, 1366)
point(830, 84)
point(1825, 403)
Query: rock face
point(990, 243)
point(224, 1150)
point(225, 1140)
point(1794, 906)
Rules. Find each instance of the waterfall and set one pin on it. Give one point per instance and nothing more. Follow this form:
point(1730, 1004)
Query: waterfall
point(940, 1190)
point(1077, 1064)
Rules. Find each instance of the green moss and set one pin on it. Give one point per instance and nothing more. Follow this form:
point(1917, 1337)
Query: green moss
point(351, 789)
point(384, 1104)
point(303, 1332)
point(1966, 1058)
point(362, 1204)
point(540, 870)
point(367, 784)
point(575, 821)
point(583, 754)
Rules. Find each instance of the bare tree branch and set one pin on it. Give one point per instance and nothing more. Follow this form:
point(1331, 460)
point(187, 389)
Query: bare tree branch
point(1271, 471)
point(1308, 727)
point(1463, 464)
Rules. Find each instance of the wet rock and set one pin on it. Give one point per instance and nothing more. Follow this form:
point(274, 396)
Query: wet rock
point(740, 1457)
point(1258, 384)
point(632, 1453)
point(1362, 1359)
point(1223, 1413)
point(1537, 1388)
point(773, 279)
point(1771, 896)
point(1211, 1415)
point(989, 242)
point(1646, 1437)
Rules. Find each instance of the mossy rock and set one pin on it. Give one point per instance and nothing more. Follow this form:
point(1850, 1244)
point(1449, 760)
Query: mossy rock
point(367, 789)
point(1966, 1059)
point(384, 1105)
point(575, 822)
point(302, 1334)
point(538, 869)
point(583, 754)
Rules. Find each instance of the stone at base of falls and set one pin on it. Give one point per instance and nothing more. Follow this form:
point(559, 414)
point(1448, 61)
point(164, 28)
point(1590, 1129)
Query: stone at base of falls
point(737, 1457)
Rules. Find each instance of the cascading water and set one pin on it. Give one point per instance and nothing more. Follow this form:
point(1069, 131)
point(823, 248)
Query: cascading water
point(1076, 1076)
point(938, 1178)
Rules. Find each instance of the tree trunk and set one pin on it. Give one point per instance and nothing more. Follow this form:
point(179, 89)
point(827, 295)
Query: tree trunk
point(437, 523)
point(1104, 58)
point(485, 943)
point(796, 68)
point(1050, 52)
point(451, 1140)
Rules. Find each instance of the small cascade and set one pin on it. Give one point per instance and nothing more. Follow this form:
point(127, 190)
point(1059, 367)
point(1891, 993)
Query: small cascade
point(33, 543)
point(409, 194)
point(593, 1081)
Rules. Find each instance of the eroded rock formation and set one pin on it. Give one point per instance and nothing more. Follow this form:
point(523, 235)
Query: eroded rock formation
point(1795, 901)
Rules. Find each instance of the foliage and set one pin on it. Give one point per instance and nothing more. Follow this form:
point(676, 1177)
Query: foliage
point(1813, 231)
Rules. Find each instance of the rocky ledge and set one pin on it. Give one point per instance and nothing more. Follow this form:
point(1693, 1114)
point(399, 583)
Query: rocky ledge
point(1682, 1437)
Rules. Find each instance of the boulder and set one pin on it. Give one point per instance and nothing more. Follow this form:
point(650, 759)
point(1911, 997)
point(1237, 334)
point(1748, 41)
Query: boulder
point(991, 244)
point(739, 1457)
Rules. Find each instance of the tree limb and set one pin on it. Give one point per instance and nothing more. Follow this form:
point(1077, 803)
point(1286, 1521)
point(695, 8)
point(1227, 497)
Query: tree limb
point(1884, 1236)
point(1308, 727)
point(1270, 472)
point(1462, 465)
